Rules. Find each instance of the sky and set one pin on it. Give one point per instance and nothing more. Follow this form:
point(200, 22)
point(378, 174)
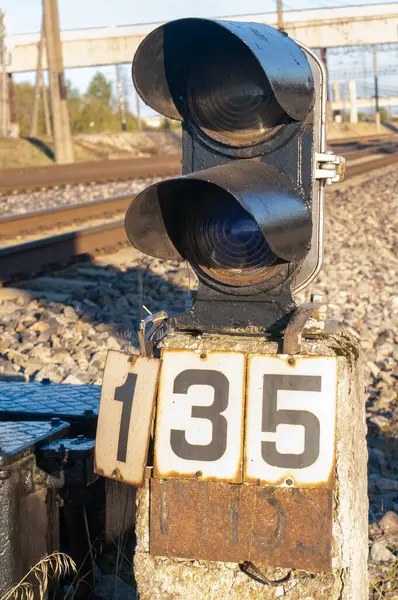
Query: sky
point(24, 16)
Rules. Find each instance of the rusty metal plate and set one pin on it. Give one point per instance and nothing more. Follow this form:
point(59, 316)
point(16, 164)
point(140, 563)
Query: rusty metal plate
point(232, 523)
point(200, 415)
point(125, 416)
point(290, 420)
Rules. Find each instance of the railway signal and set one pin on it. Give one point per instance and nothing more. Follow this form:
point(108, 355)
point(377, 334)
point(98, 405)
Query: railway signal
point(244, 464)
point(247, 212)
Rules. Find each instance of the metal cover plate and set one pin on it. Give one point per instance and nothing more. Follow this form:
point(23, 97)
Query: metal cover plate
point(200, 415)
point(79, 445)
point(19, 438)
point(290, 420)
point(126, 416)
point(41, 400)
point(232, 523)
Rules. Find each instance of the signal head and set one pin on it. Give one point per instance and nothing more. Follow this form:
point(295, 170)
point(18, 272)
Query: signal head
point(247, 213)
point(236, 84)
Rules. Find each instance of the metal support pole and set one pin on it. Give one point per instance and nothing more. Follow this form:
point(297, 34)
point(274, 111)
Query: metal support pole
point(280, 15)
point(121, 99)
point(59, 105)
point(39, 75)
point(336, 91)
point(13, 127)
point(324, 59)
point(376, 78)
point(352, 91)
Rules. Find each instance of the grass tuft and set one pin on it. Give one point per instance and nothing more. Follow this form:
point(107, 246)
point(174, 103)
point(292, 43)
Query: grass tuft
point(53, 566)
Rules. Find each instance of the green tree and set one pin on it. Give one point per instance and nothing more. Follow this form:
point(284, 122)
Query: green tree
point(23, 93)
point(101, 89)
point(384, 114)
point(75, 105)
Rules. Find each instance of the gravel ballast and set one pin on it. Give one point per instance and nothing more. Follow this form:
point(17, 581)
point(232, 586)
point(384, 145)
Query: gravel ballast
point(79, 312)
point(71, 194)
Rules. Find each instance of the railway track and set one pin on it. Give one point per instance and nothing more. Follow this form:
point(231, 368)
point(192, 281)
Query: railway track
point(28, 179)
point(28, 223)
point(32, 256)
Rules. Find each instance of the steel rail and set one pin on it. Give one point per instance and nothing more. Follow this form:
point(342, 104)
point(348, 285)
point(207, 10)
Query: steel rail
point(32, 256)
point(27, 223)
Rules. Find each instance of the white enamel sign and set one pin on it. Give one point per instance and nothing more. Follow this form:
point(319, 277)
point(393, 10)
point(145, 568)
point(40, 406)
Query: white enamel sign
point(125, 417)
point(290, 420)
point(199, 423)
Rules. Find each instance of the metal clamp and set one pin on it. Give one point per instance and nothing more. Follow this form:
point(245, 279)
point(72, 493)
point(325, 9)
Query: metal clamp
point(152, 329)
point(312, 314)
point(330, 167)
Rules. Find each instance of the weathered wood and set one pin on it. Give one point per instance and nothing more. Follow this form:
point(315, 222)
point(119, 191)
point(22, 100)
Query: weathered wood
point(160, 578)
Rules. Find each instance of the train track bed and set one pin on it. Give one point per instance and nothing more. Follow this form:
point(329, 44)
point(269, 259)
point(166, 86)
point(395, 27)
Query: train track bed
point(68, 215)
point(30, 179)
point(17, 180)
point(66, 197)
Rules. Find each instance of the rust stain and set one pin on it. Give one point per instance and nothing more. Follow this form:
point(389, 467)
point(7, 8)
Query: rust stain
point(233, 523)
point(283, 481)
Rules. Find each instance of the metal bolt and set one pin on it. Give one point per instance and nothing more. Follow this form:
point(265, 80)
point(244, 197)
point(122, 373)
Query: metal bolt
point(318, 297)
point(55, 422)
point(291, 361)
point(80, 436)
point(203, 355)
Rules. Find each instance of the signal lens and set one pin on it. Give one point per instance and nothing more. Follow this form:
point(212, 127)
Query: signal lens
point(223, 241)
point(229, 96)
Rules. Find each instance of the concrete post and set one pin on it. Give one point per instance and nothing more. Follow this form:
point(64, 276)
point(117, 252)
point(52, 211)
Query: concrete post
point(38, 84)
point(59, 103)
point(161, 578)
point(336, 91)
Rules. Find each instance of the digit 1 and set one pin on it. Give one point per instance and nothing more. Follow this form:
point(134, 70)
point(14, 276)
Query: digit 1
point(125, 393)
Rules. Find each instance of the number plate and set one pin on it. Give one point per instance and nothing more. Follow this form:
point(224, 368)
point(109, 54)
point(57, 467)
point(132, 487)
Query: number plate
point(288, 425)
point(290, 420)
point(199, 426)
point(125, 416)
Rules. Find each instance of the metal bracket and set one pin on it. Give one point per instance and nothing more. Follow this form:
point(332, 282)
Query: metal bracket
point(294, 329)
point(330, 167)
point(152, 329)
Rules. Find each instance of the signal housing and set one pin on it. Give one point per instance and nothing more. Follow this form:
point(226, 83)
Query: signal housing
point(252, 105)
